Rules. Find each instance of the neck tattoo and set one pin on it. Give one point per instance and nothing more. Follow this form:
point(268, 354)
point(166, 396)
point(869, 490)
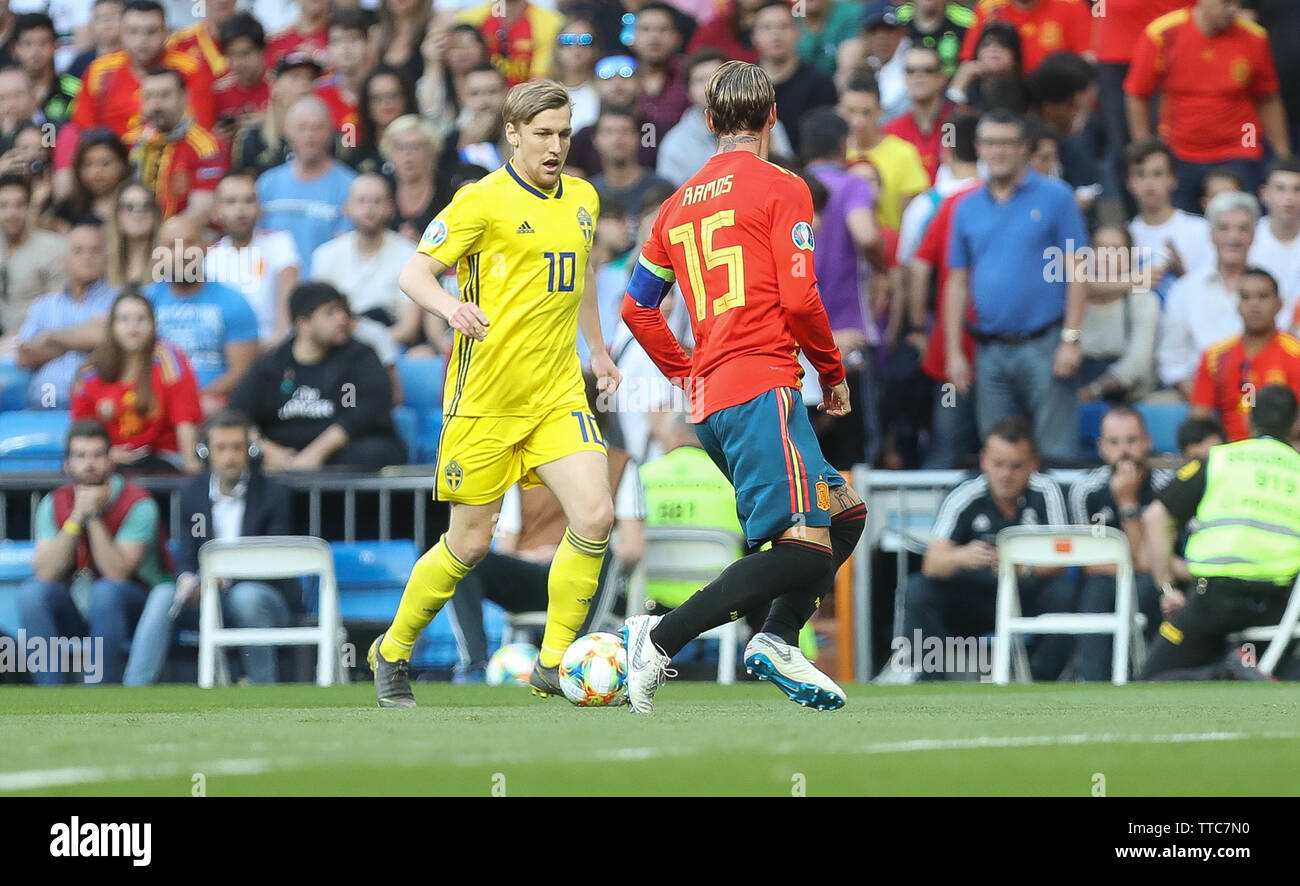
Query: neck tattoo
point(732, 142)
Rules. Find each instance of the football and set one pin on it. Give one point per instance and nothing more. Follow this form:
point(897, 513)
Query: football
point(593, 672)
point(512, 663)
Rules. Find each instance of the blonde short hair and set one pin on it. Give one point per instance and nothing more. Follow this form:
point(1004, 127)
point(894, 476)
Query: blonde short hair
point(740, 98)
point(527, 100)
point(408, 123)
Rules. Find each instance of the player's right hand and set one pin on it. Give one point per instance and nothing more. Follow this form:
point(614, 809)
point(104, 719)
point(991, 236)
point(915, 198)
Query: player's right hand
point(836, 400)
point(469, 320)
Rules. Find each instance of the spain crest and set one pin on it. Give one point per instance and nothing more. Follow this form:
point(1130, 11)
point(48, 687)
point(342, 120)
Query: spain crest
point(587, 224)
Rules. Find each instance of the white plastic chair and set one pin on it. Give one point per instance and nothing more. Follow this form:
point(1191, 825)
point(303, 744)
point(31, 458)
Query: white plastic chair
point(1063, 546)
point(1278, 636)
point(267, 557)
point(694, 555)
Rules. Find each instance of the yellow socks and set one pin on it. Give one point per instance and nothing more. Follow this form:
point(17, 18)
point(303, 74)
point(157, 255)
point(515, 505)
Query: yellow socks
point(570, 588)
point(432, 582)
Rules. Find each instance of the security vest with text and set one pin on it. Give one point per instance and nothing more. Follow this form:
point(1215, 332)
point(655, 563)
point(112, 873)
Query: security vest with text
point(1247, 525)
point(685, 488)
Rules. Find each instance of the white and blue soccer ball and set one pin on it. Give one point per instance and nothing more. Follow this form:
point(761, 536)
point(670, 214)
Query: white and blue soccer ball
point(593, 672)
point(512, 663)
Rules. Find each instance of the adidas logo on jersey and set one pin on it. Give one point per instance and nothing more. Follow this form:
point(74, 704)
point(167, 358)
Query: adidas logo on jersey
point(525, 228)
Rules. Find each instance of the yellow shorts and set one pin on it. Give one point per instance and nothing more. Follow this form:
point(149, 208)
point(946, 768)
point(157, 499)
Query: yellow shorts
point(479, 458)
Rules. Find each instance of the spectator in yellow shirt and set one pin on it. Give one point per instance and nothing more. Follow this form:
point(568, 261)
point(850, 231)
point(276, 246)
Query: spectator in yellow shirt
point(902, 175)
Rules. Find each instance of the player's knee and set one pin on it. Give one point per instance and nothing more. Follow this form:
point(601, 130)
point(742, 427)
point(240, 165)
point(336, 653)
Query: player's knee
point(596, 523)
point(470, 545)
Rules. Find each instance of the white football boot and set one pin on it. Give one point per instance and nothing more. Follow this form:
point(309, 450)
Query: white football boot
point(647, 666)
point(768, 657)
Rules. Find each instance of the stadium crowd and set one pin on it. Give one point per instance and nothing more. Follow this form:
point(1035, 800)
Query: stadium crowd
point(1024, 207)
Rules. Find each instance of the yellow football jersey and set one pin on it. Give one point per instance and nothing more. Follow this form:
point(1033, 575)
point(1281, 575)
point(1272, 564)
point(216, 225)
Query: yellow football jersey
point(521, 256)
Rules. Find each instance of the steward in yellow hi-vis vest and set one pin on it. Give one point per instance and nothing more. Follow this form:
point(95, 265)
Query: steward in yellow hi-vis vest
point(515, 405)
point(1241, 505)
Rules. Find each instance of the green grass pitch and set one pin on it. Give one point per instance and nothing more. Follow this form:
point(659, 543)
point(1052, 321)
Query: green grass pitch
point(954, 738)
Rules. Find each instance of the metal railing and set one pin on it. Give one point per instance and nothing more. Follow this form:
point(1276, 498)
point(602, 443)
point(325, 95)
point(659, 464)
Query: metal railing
point(416, 481)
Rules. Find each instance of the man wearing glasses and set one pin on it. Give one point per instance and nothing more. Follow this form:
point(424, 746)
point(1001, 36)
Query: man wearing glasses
point(923, 124)
point(1029, 308)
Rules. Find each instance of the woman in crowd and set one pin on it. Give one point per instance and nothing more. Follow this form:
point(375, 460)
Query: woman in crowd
point(410, 146)
point(996, 76)
point(1119, 324)
point(397, 39)
point(386, 94)
point(574, 66)
point(130, 235)
point(142, 390)
point(100, 165)
point(29, 157)
point(448, 56)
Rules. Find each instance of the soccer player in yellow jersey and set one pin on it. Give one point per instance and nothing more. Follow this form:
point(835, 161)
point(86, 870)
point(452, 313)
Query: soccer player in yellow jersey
point(515, 406)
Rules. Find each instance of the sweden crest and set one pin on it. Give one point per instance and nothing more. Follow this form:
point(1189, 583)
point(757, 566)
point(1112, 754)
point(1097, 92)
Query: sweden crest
point(587, 225)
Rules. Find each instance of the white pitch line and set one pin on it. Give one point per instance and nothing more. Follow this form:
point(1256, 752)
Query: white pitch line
point(31, 779)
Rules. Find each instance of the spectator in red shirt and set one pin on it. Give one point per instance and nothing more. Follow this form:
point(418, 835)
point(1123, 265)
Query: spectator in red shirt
point(142, 390)
point(341, 90)
point(730, 31)
point(180, 161)
point(923, 125)
point(1232, 371)
point(656, 43)
point(953, 435)
point(309, 34)
point(1045, 27)
point(202, 40)
point(1218, 90)
point(244, 93)
point(110, 91)
point(521, 36)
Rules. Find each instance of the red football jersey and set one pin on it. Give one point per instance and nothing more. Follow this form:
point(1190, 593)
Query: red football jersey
point(233, 99)
point(112, 403)
point(1226, 370)
point(341, 108)
point(934, 250)
point(291, 39)
point(1209, 86)
point(738, 239)
point(1045, 27)
point(110, 92)
point(174, 169)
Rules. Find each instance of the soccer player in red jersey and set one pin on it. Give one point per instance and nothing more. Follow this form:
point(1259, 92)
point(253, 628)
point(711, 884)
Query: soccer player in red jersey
point(738, 239)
